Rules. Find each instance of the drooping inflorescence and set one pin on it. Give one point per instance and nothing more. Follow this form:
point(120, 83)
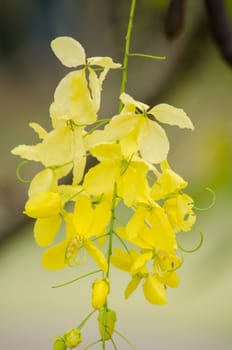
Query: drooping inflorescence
point(132, 169)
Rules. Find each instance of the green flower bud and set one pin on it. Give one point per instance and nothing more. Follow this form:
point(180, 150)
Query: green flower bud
point(72, 338)
point(59, 344)
point(106, 323)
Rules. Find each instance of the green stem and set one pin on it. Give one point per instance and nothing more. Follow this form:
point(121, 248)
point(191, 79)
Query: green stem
point(124, 338)
point(99, 123)
point(147, 56)
point(19, 177)
point(76, 279)
point(111, 229)
point(92, 344)
point(123, 243)
point(109, 253)
point(86, 319)
point(127, 48)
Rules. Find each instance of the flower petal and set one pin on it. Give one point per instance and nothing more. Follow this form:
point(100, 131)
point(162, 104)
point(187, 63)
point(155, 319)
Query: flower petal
point(54, 257)
point(128, 100)
point(83, 214)
point(28, 152)
point(154, 291)
point(134, 184)
point(121, 259)
point(153, 142)
point(69, 51)
point(140, 263)
point(168, 114)
point(43, 205)
point(103, 62)
point(96, 254)
point(101, 178)
point(45, 180)
point(39, 130)
point(72, 100)
point(45, 230)
point(132, 285)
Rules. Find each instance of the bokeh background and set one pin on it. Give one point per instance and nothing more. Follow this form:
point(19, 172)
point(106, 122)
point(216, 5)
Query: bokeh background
point(194, 77)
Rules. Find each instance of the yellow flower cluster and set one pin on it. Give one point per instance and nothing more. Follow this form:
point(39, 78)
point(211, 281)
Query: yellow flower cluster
point(132, 168)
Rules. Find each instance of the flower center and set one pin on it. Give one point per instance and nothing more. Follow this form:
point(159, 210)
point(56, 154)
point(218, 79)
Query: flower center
point(72, 249)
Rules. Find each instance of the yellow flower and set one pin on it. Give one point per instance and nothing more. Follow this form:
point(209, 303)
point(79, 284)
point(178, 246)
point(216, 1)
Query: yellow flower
point(136, 127)
point(168, 183)
point(85, 222)
point(149, 227)
point(180, 213)
point(128, 171)
point(44, 204)
point(135, 263)
point(73, 100)
point(62, 149)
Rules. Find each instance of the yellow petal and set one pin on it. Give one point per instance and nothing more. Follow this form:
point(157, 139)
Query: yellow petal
point(121, 125)
point(43, 205)
point(45, 230)
point(96, 87)
point(103, 62)
point(58, 147)
point(135, 224)
point(72, 100)
point(39, 130)
point(132, 285)
point(153, 142)
point(96, 254)
point(101, 218)
point(69, 51)
point(79, 161)
point(128, 100)
point(28, 152)
point(134, 184)
point(69, 192)
point(54, 258)
point(168, 114)
point(140, 263)
point(45, 180)
point(154, 291)
point(169, 279)
point(101, 178)
point(107, 151)
point(121, 259)
point(168, 183)
point(162, 232)
point(83, 214)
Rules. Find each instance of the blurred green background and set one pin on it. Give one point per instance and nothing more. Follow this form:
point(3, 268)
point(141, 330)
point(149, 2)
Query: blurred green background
point(193, 77)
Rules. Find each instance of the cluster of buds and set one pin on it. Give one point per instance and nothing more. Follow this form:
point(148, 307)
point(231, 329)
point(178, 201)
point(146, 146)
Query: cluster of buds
point(132, 168)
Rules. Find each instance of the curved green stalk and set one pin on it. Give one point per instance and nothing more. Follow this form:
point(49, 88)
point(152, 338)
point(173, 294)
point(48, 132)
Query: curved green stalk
point(124, 338)
point(147, 56)
point(76, 279)
point(194, 249)
point(86, 319)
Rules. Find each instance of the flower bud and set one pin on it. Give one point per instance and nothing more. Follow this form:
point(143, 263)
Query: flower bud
point(72, 338)
point(43, 205)
point(100, 290)
point(59, 344)
point(106, 323)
